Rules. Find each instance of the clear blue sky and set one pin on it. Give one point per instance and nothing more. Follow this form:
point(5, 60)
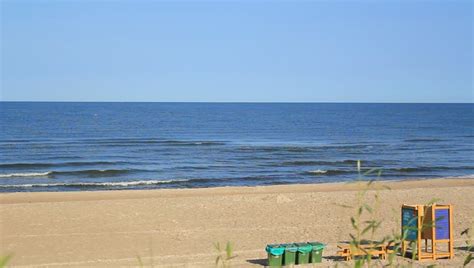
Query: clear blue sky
point(320, 51)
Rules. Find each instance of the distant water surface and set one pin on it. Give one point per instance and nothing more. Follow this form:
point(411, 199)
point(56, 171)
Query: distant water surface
point(105, 146)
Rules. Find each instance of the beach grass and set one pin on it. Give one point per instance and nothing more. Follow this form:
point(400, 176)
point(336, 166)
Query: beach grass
point(4, 260)
point(224, 254)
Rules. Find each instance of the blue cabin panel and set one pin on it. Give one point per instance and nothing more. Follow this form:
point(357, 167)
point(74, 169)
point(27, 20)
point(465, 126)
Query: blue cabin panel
point(410, 223)
point(442, 223)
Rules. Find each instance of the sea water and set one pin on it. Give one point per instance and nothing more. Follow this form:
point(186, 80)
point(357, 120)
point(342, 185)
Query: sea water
point(66, 146)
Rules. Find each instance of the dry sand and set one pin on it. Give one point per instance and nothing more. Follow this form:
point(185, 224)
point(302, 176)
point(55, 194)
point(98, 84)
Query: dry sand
point(178, 227)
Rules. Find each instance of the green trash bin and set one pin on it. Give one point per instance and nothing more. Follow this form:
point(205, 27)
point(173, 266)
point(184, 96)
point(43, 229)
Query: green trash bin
point(304, 251)
point(289, 257)
point(316, 252)
point(275, 255)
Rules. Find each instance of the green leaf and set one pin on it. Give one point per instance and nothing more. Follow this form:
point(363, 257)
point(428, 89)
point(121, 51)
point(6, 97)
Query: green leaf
point(342, 205)
point(140, 262)
point(434, 201)
point(4, 260)
point(352, 238)
point(354, 224)
point(228, 250)
point(368, 172)
point(368, 208)
point(377, 225)
point(468, 259)
point(366, 229)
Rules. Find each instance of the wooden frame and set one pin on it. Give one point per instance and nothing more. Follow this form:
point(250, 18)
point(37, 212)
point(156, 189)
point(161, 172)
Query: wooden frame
point(434, 224)
point(349, 252)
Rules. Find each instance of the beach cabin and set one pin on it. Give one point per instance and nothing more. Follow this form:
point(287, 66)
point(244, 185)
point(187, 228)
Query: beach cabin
point(432, 225)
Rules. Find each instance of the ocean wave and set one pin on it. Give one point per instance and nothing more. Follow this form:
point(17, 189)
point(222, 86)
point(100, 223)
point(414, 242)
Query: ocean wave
point(30, 174)
point(424, 140)
point(191, 143)
point(202, 181)
point(59, 164)
point(318, 172)
point(94, 184)
point(426, 168)
point(192, 167)
point(304, 163)
point(96, 172)
point(87, 173)
point(114, 142)
point(411, 169)
point(22, 140)
point(133, 142)
point(296, 149)
point(314, 163)
point(307, 148)
point(64, 157)
point(390, 171)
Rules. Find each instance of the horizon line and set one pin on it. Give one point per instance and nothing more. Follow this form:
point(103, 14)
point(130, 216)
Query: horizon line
point(238, 102)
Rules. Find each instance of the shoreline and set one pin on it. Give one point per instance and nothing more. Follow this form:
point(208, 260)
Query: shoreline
point(177, 227)
point(60, 196)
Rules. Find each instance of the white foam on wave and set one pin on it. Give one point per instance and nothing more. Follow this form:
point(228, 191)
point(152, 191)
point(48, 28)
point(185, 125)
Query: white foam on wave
point(470, 176)
point(318, 171)
point(104, 184)
point(31, 174)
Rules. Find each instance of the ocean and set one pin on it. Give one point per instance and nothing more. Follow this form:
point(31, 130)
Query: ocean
point(68, 146)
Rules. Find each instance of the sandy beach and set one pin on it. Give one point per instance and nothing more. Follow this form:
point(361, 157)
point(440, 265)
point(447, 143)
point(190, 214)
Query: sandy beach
point(178, 227)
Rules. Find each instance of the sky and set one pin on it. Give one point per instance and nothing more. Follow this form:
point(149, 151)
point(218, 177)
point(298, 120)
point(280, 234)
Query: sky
point(237, 51)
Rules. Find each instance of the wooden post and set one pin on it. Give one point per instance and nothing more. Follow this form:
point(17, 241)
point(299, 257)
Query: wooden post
point(420, 228)
point(451, 239)
point(433, 231)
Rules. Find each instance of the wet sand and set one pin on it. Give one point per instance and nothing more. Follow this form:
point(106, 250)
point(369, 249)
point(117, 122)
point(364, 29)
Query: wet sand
point(178, 227)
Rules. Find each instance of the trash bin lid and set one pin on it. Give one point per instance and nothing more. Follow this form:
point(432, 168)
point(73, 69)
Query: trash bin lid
point(290, 247)
point(304, 247)
point(275, 249)
point(317, 245)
